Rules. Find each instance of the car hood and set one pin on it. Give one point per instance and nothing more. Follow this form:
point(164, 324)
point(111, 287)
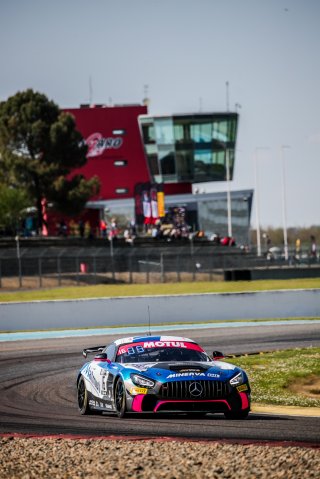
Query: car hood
point(214, 370)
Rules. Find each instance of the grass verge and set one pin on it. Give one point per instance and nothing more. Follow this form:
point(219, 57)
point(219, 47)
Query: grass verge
point(284, 378)
point(113, 290)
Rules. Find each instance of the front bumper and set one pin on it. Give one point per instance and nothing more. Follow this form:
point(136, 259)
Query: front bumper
point(235, 401)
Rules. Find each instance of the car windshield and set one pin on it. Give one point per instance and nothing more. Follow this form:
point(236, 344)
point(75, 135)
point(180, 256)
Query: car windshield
point(146, 352)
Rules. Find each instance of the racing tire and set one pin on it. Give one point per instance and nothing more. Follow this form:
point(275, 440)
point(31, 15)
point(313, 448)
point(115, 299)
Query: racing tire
point(243, 414)
point(120, 398)
point(83, 401)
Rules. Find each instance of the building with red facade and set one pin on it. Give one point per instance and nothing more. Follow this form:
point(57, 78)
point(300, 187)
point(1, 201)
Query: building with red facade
point(128, 149)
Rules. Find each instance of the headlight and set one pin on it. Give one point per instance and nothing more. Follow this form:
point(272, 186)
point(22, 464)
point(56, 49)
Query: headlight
point(237, 380)
point(142, 381)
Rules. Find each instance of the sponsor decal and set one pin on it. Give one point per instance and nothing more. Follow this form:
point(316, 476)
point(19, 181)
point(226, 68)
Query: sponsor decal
point(104, 381)
point(97, 144)
point(99, 404)
point(138, 348)
point(190, 371)
point(213, 375)
point(136, 390)
point(91, 378)
point(243, 387)
point(182, 375)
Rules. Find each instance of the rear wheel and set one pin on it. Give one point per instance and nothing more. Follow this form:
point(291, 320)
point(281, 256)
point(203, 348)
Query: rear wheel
point(120, 398)
point(243, 414)
point(83, 401)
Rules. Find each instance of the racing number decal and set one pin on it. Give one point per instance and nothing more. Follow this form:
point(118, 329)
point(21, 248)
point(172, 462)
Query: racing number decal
point(104, 378)
point(131, 350)
point(136, 349)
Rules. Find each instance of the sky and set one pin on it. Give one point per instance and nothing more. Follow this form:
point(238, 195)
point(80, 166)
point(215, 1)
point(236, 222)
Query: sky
point(258, 57)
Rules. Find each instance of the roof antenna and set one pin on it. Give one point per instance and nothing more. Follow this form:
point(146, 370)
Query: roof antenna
point(149, 320)
point(90, 91)
point(227, 95)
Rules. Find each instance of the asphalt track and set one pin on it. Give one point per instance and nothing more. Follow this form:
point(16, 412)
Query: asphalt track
point(38, 394)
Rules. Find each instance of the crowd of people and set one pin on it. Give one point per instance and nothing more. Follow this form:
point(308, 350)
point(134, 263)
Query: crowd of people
point(173, 226)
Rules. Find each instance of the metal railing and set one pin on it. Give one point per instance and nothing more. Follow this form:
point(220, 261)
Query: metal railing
point(41, 267)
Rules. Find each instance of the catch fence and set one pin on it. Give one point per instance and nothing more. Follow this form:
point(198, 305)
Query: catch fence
point(50, 267)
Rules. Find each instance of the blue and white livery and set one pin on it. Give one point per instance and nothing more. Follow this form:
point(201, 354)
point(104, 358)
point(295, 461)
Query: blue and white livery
point(154, 374)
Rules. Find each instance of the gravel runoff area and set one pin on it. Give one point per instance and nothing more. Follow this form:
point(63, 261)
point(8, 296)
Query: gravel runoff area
point(28, 458)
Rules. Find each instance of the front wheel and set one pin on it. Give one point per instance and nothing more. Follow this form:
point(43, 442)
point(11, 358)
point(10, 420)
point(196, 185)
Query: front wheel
point(243, 414)
point(120, 398)
point(83, 402)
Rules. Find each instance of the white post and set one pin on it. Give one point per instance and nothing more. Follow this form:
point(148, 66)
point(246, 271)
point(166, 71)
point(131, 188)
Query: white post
point(284, 205)
point(257, 199)
point(255, 164)
point(228, 194)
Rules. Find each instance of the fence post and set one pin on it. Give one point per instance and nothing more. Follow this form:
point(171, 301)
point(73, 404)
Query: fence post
point(19, 261)
point(0, 273)
point(59, 270)
point(40, 271)
point(178, 269)
point(77, 270)
point(147, 270)
point(162, 267)
point(94, 270)
point(130, 269)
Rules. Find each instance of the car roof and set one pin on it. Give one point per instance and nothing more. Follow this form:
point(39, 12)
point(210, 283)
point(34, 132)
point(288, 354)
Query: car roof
point(138, 339)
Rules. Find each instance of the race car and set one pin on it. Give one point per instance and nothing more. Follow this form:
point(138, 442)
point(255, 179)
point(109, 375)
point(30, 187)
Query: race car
point(154, 374)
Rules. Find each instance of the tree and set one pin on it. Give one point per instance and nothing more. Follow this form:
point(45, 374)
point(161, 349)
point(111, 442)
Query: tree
point(40, 147)
point(13, 203)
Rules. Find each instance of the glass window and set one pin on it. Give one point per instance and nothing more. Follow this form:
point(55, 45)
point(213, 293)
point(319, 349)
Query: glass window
point(201, 132)
point(167, 161)
point(220, 130)
point(148, 133)
point(178, 133)
point(189, 147)
point(153, 164)
point(184, 163)
point(164, 131)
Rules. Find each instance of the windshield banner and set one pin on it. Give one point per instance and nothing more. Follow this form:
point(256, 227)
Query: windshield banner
point(140, 347)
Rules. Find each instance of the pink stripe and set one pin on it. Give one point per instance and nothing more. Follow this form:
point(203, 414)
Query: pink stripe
point(201, 401)
point(137, 403)
point(244, 400)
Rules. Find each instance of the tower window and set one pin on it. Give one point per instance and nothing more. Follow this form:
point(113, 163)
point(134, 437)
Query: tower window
point(120, 162)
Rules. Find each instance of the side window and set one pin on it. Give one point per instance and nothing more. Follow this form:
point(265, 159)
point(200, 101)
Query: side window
point(110, 350)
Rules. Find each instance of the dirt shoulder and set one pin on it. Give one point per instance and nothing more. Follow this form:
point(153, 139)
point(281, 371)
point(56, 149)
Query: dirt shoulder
point(286, 410)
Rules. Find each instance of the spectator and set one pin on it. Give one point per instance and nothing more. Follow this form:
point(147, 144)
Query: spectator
point(103, 228)
point(81, 228)
point(63, 230)
point(313, 249)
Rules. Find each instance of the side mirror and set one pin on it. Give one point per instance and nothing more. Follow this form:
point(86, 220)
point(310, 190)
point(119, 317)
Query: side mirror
point(217, 355)
point(95, 349)
point(102, 357)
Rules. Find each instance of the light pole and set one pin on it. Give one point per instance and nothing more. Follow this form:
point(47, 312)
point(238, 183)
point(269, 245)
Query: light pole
point(257, 200)
point(228, 193)
point(284, 203)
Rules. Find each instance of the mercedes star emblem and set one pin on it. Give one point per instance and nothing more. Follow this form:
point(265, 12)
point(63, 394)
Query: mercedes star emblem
point(195, 389)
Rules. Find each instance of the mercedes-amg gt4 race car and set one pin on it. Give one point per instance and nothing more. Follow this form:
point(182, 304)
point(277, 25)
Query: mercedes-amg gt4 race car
point(161, 374)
